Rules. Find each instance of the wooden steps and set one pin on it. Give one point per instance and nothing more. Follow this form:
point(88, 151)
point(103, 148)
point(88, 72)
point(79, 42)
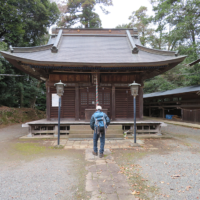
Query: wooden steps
point(85, 131)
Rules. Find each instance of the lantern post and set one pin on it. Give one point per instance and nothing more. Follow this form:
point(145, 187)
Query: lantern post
point(134, 92)
point(60, 91)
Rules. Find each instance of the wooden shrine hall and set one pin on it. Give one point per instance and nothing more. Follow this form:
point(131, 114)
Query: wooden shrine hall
point(90, 61)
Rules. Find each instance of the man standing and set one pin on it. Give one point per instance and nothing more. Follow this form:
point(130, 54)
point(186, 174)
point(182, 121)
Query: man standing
point(99, 122)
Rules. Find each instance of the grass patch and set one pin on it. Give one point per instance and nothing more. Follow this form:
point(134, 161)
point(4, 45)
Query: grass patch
point(139, 185)
point(187, 144)
point(29, 148)
point(58, 147)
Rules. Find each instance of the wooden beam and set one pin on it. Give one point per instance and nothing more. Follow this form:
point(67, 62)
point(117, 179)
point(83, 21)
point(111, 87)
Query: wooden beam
point(48, 102)
point(149, 111)
point(30, 72)
point(100, 72)
point(141, 102)
point(76, 102)
point(113, 102)
point(163, 113)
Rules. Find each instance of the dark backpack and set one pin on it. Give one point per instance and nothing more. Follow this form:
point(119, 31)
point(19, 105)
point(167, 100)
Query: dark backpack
point(100, 123)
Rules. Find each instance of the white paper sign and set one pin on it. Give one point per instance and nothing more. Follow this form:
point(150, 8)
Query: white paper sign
point(55, 100)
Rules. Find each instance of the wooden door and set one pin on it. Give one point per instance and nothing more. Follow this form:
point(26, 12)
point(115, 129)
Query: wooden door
point(68, 103)
point(105, 99)
point(124, 103)
point(88, 99)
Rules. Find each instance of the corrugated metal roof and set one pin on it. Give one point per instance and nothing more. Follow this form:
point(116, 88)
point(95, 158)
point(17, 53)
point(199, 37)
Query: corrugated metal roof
point(93, 49)
point(175, 91)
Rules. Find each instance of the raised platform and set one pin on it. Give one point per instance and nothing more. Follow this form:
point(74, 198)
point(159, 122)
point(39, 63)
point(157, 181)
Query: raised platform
point(81, 128)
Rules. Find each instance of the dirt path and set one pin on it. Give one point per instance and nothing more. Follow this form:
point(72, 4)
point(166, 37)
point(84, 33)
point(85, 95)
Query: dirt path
point(10, 133)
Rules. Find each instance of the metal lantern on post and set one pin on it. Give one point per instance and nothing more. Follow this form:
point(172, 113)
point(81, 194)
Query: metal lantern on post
point(134, 92)
point(60, 91)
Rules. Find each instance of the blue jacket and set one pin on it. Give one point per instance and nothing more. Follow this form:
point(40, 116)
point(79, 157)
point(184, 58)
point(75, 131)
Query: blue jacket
point(95, 115)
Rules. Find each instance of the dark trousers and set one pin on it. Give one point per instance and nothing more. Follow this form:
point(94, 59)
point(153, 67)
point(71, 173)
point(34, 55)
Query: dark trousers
point(95, 142)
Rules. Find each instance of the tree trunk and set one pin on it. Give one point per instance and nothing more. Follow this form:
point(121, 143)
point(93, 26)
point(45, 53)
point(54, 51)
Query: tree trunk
point(32, 102)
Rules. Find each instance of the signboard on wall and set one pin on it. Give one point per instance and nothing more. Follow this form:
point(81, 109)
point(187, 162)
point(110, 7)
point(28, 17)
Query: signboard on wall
point(55, 100)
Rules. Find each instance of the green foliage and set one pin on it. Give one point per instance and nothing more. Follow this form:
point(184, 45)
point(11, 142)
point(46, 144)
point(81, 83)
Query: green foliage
point(141, 21)
point(21, 91)
point(3, 47)
point(81, 13)
point(178, 28)
point(23, 22)
point(124, 26)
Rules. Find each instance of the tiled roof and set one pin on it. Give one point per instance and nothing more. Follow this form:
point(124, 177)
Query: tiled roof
point(175, 91)
point(95, 49)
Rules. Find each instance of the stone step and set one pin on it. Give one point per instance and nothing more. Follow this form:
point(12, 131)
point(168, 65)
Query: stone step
point(91, 132)
point(91, 136)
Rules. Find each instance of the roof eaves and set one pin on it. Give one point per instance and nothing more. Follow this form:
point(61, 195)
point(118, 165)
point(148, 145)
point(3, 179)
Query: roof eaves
point(174, 91)
point(30, 49)
point(157, 51)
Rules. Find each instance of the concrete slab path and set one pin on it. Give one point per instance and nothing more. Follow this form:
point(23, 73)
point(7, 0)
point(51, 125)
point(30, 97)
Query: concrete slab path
point(104, 179)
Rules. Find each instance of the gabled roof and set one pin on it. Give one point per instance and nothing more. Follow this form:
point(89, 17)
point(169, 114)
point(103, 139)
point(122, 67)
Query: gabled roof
point(93, 47)
point(194, 88)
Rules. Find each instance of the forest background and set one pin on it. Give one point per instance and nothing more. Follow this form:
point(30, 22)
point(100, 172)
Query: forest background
point(174, 26)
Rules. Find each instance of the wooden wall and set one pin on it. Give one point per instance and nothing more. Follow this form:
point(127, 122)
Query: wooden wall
point(67, 104)
point(69, 78)
point(80, 94)
point(191, 115)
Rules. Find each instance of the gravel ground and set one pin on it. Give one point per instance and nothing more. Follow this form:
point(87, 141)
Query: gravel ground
point(45, 178)
point(175, 174)
point(29, 170)
point(180, 130)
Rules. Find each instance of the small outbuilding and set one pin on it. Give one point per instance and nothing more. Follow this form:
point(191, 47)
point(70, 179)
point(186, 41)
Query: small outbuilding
point(178, 104)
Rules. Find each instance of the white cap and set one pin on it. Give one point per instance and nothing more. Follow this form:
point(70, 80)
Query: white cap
point(98, 108)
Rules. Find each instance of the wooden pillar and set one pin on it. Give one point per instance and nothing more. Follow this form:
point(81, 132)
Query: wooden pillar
point(48, 101)
point(182, 112)
point(163, 114)
point(76, 102)
point(149, 111)
point(141, 102)
point(113, 103)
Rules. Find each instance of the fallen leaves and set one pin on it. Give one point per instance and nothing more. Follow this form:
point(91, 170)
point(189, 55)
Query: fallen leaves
point(188, 187)
point(175, 176)
point(162, 181)
point(135, 192)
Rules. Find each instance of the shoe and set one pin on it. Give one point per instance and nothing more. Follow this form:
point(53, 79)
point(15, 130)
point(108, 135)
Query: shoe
point(95, 153)
point(101, 155)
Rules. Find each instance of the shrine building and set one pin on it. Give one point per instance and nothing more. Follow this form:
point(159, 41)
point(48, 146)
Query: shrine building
point(91, 61)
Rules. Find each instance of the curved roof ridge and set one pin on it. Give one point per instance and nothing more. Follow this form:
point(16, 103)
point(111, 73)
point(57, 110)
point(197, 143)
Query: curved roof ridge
point(30, 49)
point(157, 51)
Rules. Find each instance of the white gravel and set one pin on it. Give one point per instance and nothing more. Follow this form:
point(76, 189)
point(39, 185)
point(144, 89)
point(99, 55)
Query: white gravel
point(176, 174)
point(44, 178)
